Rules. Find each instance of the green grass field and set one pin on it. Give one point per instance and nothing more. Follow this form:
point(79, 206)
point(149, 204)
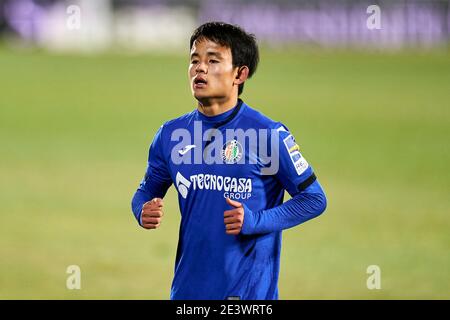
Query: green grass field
point(74, 134)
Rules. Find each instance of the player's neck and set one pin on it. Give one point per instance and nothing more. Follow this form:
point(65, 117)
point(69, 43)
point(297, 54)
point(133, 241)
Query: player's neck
point(214, 108)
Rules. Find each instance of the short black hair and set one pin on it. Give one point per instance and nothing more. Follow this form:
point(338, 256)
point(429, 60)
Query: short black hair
point(243, 46)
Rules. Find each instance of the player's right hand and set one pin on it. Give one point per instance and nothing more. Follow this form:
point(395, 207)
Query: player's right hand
point(152, 213)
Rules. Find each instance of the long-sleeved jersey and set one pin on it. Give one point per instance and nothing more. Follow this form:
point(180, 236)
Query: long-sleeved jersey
point(247, 157)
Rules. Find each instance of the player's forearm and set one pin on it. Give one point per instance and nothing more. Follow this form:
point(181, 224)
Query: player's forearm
point(151, 187)
point(140, 197)
point(301, 208)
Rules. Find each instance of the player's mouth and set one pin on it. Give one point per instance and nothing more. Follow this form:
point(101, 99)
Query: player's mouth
point(200, 83)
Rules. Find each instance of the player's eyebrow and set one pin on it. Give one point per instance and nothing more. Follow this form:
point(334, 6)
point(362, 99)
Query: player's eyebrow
point(209, 53)
point(214, 53)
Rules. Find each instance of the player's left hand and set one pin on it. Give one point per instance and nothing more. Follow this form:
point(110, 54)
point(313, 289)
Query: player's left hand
point(234, 218)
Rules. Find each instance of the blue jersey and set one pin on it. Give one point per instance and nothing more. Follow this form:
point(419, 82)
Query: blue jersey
point(209, 159)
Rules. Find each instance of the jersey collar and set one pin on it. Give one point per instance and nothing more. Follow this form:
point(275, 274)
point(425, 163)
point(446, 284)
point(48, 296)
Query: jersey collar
point(223, 118)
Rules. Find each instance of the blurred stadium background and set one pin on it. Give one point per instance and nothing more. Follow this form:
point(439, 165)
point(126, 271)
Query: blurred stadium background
point(80, 103)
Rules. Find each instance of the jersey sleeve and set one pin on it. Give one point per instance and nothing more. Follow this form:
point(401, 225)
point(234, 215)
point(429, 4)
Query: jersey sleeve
point(294, 173)
point(297, 177)
point(157, 179)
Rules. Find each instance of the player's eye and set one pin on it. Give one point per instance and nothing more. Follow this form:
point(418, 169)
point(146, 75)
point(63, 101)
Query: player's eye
point(213, 61)
point(194, 61)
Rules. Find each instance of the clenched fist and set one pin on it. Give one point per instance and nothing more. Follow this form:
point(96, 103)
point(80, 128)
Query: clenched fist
point(234, 218)
point(151, 213)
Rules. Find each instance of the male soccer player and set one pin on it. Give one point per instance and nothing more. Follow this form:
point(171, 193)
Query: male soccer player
point(231, 166)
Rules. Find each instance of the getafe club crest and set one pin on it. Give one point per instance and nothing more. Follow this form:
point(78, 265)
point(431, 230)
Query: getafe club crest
point(232, 152)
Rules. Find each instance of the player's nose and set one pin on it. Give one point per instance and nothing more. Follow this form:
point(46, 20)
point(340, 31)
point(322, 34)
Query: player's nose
point(201, 67)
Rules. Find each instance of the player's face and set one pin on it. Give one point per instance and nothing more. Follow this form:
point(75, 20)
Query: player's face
point(211, 72)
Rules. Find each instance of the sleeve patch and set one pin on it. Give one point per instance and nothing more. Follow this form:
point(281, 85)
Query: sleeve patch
point(300, 163)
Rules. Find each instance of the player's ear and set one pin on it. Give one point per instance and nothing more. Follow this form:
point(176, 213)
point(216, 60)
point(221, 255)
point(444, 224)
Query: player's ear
point(241, 75)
